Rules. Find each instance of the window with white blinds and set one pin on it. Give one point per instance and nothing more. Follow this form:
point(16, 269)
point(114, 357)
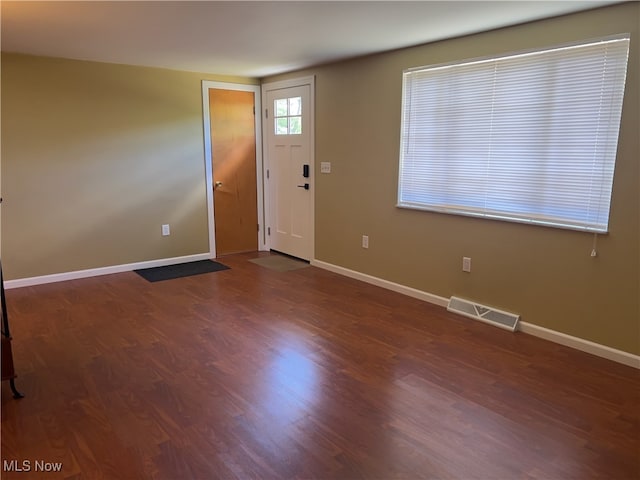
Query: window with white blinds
point(529, 137)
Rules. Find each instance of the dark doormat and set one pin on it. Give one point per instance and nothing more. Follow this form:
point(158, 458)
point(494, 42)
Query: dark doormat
point(169, 272)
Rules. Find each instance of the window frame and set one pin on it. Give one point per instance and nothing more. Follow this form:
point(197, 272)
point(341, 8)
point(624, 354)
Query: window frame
point(288, 116)
point(529, 218)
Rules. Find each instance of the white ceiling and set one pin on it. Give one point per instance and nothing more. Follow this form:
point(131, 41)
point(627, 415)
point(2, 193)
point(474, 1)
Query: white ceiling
point(252, 39)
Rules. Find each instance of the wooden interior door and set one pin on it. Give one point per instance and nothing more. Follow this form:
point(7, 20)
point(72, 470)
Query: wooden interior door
point(233, 156)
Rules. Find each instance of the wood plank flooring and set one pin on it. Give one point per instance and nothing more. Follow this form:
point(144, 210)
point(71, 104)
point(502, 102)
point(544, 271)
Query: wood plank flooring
point(253, 373)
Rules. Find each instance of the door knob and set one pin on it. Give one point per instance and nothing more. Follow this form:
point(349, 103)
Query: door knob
point(305, 186)
point(218, 184)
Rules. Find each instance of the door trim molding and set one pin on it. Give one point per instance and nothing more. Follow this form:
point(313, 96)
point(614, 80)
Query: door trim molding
point(206, 119)
point(293, 82)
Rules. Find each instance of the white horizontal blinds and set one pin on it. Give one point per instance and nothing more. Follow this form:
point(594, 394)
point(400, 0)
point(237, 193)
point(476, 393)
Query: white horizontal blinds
point(529, 137)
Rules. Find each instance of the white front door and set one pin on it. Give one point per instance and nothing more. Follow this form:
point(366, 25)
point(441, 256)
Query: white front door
point(290, 172)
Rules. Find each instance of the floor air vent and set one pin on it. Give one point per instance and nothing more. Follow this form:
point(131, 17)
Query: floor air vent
point(506, 320)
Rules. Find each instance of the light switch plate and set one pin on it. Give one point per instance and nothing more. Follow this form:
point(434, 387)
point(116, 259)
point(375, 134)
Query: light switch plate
point(325, 167)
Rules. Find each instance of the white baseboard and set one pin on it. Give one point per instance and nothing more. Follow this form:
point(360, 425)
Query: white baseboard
point(396, 287)
point(94, 272)
point(581, 344)
point(524, 327)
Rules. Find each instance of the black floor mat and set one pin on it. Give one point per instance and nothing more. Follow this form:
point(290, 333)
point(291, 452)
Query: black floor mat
point(169, 272)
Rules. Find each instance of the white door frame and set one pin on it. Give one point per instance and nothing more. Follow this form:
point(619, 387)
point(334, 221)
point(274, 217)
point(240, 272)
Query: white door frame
point(295, 82)
point(206, 118)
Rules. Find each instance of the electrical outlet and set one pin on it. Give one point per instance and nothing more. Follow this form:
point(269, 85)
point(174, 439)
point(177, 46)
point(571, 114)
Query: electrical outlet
point(365, 241)
point(466, 264)
point(166, 230)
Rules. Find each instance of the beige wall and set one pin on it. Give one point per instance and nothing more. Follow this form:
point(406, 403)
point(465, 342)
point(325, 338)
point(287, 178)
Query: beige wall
point(95, 158)
point(545, 274)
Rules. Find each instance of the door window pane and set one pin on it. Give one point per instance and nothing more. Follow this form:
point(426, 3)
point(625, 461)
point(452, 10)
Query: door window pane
point(295, 106)
point(281, 107)
point(295, 125)
point(282, 127)
point(288, 116)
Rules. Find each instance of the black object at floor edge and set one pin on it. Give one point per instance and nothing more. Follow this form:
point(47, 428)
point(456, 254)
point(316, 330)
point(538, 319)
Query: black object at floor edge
point(170, 272)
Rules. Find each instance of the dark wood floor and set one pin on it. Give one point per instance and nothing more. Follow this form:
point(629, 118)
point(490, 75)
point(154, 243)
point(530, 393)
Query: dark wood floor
point(253, 373)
